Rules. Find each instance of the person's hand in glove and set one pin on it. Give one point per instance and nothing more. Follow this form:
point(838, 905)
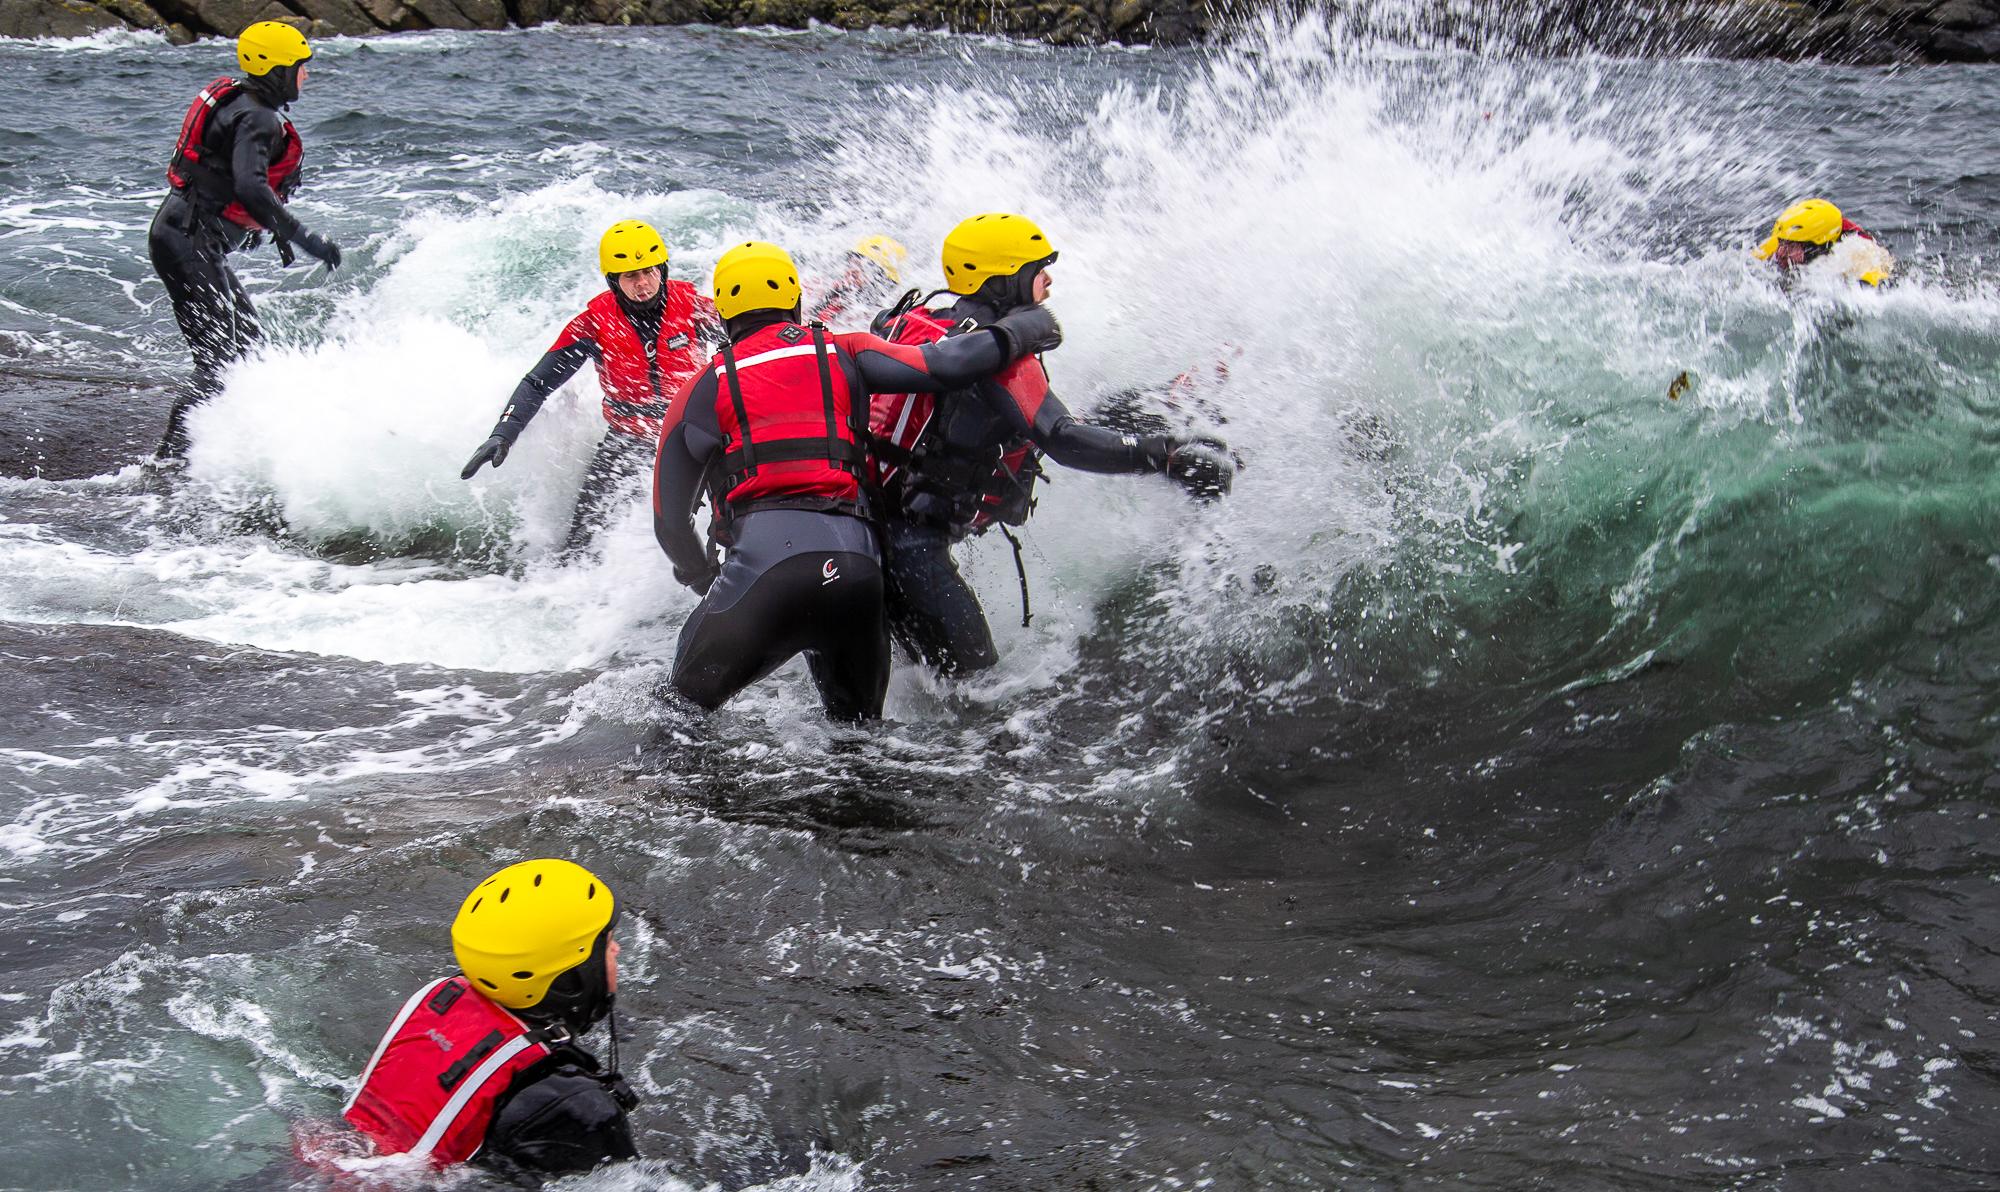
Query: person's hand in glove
point(285, 254)
point(1027, 331)
point(1202, 466)
point(700, 581)
point(492, 451)
point(319, 248)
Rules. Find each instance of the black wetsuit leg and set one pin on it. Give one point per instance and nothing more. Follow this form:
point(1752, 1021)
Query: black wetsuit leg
point(618, 458)
point(931, 607)
point(795, 582)
point(190, 253)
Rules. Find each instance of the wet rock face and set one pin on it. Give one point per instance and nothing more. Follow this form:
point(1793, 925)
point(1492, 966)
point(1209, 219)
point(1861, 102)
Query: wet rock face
point(1859, 31)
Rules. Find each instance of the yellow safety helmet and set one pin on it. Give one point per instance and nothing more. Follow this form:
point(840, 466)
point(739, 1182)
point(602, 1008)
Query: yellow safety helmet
point(268, 44)
point(755, 275)
point(1810, 221)
point(630, 245)
point(527, 925)
point(888, 255)
point(992, 245)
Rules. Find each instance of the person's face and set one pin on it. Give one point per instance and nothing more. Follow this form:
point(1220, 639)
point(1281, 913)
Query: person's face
point(1790, 255)
point(611, 967)
point(1043, 283)
point(640, 285)
point(302, 78)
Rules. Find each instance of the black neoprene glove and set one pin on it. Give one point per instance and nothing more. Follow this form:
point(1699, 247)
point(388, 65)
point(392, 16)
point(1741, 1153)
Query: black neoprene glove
point(1202, 466)
point(1027, 331)
point(285, 254)
point(492, 451)
point(319, 248)
point(701, 581)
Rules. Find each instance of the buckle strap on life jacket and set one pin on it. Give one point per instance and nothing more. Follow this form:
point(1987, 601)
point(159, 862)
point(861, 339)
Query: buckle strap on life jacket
point(746, 452)
point(741, 462)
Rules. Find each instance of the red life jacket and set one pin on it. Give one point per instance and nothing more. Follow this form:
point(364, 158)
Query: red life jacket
point(900, 424)
point(792, 432)
point(1849, 228)
point(444, 1063)
point(190, 161)
point(638, 386)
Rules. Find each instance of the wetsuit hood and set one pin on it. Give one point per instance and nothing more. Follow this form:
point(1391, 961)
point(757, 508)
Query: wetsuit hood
point(752, 321)
point(645, 316)
point(277, 86)
point(580, 997)
point(976, 308)
point(1013, 291)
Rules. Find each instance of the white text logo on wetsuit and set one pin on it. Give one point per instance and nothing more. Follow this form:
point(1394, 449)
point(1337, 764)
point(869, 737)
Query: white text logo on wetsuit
point(828, 573)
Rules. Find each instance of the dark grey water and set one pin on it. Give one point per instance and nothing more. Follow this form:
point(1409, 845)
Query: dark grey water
point(1524, 779)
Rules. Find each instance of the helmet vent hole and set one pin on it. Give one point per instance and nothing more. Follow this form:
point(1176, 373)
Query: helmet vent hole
point(475, 905)
point(538, 879)
point(523, 975)
point(735, 290)
point(488, 984)
point(505, 892)
point(592, 892)
point(771, 282)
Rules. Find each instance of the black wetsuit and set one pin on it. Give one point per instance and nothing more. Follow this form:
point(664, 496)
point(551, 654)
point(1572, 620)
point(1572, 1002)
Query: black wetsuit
point(190, 241)
point(795, 581)
point(558, 1116)
point(933, 502)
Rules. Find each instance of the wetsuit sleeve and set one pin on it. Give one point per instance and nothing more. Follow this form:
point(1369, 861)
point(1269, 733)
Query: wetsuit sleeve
point(259, 136)
point(690, 444)
point(564, 1122)
point(708, 323)
point(556, 367)
point(950, 363)
point(1020, 393)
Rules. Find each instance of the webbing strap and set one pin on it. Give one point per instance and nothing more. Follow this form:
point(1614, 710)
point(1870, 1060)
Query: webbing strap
point(1020, 569)
point(746, 450)
point(825, 385)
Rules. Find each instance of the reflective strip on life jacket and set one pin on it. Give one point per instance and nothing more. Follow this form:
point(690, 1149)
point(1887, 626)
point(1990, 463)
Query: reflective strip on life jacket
point(897, 421)
point(785, 400)
point(640, 384)
point(469, 1088)
point(981, 491)
point(436, 1079)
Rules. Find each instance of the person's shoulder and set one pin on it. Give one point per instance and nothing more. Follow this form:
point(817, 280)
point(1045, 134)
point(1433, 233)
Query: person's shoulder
point(559, 1091)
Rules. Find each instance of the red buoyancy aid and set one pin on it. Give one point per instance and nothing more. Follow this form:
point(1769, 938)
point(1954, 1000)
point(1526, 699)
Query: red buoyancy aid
point(898, 422)
point(190, 157)
point(1849, 228)
point(792, 431)
point(638, 387)
point(444, 1063)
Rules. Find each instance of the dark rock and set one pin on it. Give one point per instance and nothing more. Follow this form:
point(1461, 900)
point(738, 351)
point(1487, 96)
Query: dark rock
point(228, 18)
point(1946, 45)
point(54, 427)
point(136, 13)
point(54, 18)
point(452, 14)
point(1965, 15)
point(337, 17)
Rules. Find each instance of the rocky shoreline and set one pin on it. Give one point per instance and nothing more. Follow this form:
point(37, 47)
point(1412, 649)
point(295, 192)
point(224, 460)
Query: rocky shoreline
point(1852, 31)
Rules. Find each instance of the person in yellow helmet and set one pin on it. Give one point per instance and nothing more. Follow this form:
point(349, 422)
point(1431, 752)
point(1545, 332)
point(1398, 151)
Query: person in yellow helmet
point(1812, 230)
point(967, 461)
point(647, 333)
point(875, 267)
point(234, 165)
point(485, 1064)
point(775, 431)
